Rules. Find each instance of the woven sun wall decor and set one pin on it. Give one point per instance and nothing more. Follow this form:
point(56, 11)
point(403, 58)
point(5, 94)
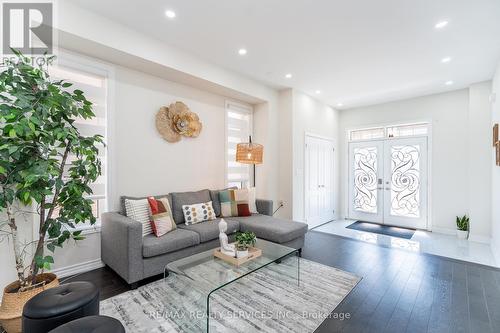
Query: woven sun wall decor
point(176, 120)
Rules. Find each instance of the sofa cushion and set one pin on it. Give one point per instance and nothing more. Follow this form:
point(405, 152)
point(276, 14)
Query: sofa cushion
point(271, 228)
point(175, 240)
point(187, 198)
point(210, 230)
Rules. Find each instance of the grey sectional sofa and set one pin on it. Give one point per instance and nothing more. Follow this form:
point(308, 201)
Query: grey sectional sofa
point(134, 257)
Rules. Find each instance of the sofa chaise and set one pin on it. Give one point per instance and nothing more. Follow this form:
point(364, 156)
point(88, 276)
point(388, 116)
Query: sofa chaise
point(134, 257)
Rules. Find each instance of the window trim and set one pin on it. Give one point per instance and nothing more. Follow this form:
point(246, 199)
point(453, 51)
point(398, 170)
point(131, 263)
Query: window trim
point(249, 110)
point(385, 127)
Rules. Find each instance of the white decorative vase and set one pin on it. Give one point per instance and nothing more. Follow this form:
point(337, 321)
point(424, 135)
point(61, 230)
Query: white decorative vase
point(462, 234)
point(241, 254)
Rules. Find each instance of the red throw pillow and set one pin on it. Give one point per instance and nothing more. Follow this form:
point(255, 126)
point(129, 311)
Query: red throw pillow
point(244, 210)
point(161, 216)
point(157, 206)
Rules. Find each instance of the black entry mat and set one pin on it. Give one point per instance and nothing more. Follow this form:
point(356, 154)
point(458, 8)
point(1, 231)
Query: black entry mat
point(382, 229)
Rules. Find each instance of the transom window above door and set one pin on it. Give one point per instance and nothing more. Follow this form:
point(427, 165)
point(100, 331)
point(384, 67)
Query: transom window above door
point(393, 131)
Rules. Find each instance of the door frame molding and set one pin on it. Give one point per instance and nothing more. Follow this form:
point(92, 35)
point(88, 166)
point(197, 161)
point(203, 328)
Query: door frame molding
point(305, 168)
point(345, 182)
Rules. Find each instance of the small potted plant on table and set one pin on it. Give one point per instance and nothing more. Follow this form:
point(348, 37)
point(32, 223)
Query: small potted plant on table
point(462, 227)
point(243, 241)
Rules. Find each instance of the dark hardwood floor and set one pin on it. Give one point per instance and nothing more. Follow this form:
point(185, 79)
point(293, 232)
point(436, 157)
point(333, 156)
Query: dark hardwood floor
point(400, 291)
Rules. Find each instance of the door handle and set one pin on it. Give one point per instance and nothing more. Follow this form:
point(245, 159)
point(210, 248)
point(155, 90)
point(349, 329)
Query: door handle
point(387, 188)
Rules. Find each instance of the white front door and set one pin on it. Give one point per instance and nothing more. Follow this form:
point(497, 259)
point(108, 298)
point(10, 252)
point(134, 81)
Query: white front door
point(365, 181)
point(405, 182)
point(319, 200)
point(388, 182)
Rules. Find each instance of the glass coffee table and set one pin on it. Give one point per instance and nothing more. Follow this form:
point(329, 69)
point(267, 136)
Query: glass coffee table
point(210, 274)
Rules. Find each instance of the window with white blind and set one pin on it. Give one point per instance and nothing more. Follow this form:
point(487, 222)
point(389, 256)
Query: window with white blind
point(94, 87)
point(238, 129)
point(406, 130)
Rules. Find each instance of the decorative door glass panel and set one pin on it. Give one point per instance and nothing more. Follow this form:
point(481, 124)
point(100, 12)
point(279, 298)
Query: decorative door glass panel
point(365, 180)
point(405, 180)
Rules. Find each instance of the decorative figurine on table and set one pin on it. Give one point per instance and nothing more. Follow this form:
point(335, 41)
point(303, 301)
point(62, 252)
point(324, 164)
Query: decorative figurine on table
point(225, 247)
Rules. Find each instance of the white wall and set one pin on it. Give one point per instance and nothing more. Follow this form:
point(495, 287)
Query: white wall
point(313, 117)
point(479, 161)
point(285, 130)
point(144, 162)
point(301, 114)
point(455, 152)
point(495, 173)
point(265, 122)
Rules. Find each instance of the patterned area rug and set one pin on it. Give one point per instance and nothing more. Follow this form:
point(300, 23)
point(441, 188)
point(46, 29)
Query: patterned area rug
point(269, 300)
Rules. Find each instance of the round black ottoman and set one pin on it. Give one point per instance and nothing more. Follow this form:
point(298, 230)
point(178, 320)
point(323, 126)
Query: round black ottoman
point(57, 306)
point(91, 324)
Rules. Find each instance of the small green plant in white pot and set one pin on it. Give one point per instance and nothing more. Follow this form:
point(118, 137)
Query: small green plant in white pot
point(243, 241)
point(463, 227)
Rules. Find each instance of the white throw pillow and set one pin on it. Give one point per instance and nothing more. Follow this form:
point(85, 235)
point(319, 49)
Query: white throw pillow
point(198, 212)
point(251, 200)
point(139, 210)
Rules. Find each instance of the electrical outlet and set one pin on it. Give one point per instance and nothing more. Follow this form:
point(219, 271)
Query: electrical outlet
point(281, 203)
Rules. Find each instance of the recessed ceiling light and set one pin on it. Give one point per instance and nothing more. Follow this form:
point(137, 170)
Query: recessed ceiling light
point(449, 83)
point(318, 91)
point(340, 105)
point(288, 76)
point(445, 60)
point(242, 51)
point(441, 24)
point(170, 14)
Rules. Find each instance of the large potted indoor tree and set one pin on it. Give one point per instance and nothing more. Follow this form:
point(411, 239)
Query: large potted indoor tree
point(46, 169)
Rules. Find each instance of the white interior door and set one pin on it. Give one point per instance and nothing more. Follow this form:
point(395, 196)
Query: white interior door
point(319, 196)
point(388, 182)
point(366, 172)
point(405, 182)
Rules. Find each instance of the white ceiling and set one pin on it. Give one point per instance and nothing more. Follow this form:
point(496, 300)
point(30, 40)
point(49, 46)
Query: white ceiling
point(357, 52)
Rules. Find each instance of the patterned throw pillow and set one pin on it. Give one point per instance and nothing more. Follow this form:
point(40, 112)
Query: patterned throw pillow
point(234, 203)
point(162, 223)
point(161, 216)
point(139, 210)
point(198, 212)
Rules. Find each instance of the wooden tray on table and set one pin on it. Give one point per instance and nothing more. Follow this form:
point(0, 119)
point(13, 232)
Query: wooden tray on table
point(253, 253)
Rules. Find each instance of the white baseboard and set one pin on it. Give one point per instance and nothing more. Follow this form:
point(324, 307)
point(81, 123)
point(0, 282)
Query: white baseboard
point(472, 237)
point(78, 268)
point(479, 239)
point(496, 251)
point(445, 231)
